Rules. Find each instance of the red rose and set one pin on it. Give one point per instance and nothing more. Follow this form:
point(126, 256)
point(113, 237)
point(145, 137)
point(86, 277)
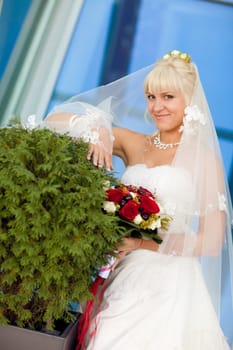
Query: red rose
point(114, 195)
point(148, 205)
point(129, 210)
point(144, 192)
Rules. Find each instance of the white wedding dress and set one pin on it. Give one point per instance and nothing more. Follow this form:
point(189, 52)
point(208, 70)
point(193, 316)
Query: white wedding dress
point(155, 301)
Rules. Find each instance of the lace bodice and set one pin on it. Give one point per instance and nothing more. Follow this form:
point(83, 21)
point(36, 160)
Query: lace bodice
point(172, 187)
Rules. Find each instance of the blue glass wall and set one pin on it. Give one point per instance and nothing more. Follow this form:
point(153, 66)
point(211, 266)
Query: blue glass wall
point(82, 66)
point(11, 21)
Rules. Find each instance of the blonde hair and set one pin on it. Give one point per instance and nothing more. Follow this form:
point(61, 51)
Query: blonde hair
point(171, 73)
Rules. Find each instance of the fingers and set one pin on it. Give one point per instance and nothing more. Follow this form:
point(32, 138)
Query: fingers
point(90, 152)
point(108, 161)
point(100, 157)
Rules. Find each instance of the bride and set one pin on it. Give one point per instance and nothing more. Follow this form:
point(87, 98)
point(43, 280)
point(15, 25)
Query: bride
point(161, 296)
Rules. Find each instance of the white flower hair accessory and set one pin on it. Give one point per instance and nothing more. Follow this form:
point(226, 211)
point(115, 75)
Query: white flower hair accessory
point(192, 119)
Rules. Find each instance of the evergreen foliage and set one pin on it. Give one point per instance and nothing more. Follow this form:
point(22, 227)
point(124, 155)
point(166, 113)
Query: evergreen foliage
point(53, 232)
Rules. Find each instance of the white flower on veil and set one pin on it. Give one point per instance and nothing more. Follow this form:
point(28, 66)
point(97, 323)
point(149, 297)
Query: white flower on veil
point(193, 117)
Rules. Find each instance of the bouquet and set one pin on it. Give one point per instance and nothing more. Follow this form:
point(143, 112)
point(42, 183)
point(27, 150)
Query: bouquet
point(138, 212)
point(137, 209)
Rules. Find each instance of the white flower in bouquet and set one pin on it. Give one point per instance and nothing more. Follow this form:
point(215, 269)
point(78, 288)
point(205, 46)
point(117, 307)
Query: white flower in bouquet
point(109, 207)
point(137, 220)
point(154, 224)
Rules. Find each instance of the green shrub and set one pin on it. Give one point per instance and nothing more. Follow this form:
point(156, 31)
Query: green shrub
point(53, 232)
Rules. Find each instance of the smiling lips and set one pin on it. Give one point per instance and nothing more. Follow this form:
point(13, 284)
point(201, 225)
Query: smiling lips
point(161, 116)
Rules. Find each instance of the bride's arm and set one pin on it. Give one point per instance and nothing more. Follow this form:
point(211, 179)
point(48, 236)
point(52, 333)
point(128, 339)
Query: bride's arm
point(208, 237)
point(94, 128)
point(207, 241)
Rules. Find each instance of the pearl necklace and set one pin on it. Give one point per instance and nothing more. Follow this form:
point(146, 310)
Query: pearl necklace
point(162, 145)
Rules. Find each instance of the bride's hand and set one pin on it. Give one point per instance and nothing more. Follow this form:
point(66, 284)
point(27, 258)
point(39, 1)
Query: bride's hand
point(100, 157)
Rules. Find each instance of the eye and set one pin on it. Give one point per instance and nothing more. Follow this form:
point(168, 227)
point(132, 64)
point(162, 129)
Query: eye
point(168, 97)
point(150, 97)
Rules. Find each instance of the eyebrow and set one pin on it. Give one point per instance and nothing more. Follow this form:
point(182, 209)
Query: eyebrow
point(169, 92)
point(161, 92)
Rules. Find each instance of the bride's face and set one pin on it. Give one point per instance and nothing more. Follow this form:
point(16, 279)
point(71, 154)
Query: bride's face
point(167, 109)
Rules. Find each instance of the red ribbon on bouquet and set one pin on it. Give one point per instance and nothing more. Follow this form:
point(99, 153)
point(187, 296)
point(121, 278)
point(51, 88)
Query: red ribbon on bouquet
point(97, 290)
point(87, 316)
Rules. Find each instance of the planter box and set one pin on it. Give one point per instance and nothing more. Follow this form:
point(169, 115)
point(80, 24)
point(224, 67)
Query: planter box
point(12, 338)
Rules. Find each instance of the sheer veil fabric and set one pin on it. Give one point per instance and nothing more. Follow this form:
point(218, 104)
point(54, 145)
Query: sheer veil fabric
point(207, 232)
